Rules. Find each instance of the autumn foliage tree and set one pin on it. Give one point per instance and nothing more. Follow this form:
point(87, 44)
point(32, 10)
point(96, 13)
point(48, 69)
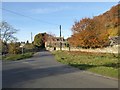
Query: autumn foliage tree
point(88, 34)
point(94, 33)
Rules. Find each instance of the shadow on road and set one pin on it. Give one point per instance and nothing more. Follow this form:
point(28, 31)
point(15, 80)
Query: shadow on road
point(20, 75)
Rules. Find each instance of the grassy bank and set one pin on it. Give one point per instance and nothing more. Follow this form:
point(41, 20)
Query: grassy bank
point(104, 64)
point(18, 56)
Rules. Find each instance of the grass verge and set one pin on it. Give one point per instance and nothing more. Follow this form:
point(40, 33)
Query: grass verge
point(18, 56)
point(104, 64)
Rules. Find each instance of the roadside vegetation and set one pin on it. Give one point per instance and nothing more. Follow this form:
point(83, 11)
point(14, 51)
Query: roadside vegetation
point(10, 49)
point(13, 51)
point(104, 64)
point(14, 57)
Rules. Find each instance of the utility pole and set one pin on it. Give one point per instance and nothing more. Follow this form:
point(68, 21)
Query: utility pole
point(31, 38)
point(60, 39)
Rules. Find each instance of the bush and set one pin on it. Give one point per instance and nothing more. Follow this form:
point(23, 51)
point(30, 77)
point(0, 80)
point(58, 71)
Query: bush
point(13, 48)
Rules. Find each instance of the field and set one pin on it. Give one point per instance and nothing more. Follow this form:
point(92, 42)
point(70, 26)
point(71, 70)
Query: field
point(104, 64)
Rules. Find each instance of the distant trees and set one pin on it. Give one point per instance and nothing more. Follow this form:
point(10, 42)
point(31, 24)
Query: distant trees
point(94, 33)
point(29, 47)
point(27, 42)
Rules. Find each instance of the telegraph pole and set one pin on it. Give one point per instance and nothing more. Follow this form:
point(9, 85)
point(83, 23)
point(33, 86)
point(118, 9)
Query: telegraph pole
point(60, 39)
point(31, 38)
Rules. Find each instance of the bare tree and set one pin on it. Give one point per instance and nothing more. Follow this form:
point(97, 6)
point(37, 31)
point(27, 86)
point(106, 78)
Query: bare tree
point(7, 32)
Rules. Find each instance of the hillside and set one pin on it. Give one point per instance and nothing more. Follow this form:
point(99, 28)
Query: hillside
point(111, 19)
point(95, 32)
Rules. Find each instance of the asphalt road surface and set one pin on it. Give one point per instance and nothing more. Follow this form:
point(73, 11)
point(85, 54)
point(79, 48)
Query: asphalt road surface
point(43, 71)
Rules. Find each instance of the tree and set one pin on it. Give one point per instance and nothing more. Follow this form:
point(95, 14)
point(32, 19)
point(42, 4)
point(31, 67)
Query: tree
point(4, 47)
point(7, 32)
point(94, 32)
point(27, 42)
point(80, 25)
point(14, 48)
point(39, 40)
point(89, 33)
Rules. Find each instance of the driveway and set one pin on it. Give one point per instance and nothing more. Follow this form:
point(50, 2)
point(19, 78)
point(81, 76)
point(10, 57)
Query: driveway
point(43, 71)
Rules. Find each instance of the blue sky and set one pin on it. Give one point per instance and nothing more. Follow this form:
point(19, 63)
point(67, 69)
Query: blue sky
point(48, 16)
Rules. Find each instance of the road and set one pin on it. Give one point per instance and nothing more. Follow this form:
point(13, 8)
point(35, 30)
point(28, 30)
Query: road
point(43, 71)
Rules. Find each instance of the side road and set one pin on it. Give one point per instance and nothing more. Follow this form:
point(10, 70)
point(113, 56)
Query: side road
point(43, 71)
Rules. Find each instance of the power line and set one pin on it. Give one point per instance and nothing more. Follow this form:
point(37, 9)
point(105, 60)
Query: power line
point(13, 12)
point(36, 20)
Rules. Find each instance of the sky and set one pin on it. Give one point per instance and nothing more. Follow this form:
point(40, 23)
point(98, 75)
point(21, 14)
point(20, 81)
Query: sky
point(39, 17)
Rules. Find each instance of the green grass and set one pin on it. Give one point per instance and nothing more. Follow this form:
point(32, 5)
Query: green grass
point(104, 64)
point(18, 56)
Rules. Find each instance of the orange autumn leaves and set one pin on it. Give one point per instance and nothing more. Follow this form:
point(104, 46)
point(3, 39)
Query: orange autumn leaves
point(87, 34)
point(94, 33)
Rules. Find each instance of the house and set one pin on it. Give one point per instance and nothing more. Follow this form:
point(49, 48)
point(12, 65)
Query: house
point(55, 42)
point(114, 40)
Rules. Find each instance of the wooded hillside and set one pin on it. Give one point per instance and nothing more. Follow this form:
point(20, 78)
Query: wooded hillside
point(95, 32)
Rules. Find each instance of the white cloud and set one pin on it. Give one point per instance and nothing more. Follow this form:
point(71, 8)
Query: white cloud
point(49, 10)
point(58, 9)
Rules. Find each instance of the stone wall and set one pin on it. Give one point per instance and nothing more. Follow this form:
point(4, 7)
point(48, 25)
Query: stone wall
point(113, 49)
